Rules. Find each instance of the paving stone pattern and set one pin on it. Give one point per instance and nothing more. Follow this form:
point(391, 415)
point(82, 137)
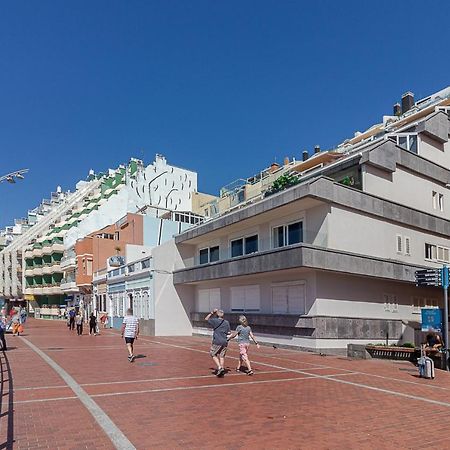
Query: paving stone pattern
point(168, 398)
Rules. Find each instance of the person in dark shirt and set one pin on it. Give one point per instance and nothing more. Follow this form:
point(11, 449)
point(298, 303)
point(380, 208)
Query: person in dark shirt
point(219, 345)
point(92, 325)
point(434, 341)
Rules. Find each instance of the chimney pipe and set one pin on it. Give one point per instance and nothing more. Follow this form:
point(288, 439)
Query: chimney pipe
point(305, 155)
point(317, 149)
point(407, 101)
point(397, 110)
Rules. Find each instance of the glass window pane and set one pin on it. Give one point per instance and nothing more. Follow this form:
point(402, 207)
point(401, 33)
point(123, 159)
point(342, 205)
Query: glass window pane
point(251, 244)
point(278, 237)
point(295, 233)
point(413, 143)
point(204, 256)
point(214, 254)
point(237, 248)
point(402, 141)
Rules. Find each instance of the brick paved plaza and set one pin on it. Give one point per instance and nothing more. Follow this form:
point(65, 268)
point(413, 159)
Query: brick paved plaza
point(168, 398)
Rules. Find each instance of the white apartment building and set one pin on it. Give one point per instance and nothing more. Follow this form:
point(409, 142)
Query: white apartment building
point(100, 201)
point(15, 237)
point(331, 260)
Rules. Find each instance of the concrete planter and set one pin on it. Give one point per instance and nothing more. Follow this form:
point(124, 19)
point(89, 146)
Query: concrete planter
point(397, 353)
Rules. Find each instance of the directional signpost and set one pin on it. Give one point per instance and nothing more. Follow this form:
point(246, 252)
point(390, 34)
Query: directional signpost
point(438, 278)
point(429, 277)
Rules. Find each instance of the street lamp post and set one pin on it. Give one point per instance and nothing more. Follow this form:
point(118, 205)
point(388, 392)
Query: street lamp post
point(11, 177)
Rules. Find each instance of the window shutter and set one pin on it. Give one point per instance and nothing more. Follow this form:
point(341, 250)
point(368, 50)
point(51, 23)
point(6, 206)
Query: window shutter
point(279, 300)
point(399, 244)
point(407, 246)
point(237, 298)
point(252, 302)
point(296, 299)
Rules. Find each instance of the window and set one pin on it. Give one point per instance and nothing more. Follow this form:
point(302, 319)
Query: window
point(237, 248)
point(208, 299)
point(245, 246)
point(288, 298)
point(245, 298)
point(430, 251)
point(441, 202)
point(251, 244)
point(434, 199)
point(407, 246)
point(407, 141)
point(214, 254)
point(89, 267)
point(287, 234)
point(437, 253)
point(204, 256)
point(208, 255)
point(145, 264)
point(399, 244)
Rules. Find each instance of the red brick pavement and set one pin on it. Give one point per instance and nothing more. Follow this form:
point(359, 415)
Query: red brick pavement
point(168, 399)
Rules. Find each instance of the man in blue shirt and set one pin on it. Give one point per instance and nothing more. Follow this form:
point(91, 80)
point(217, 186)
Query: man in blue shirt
point(219, 346)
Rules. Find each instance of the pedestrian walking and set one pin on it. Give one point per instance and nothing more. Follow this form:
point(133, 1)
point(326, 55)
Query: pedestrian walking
point(244, 334)
point(79, 323)
point(104, 320)
point(72, 314)
point(15, 325)
point(23, 315)
point(93, 324)
point(130, 331)
point(219, 345)
point(2, 333)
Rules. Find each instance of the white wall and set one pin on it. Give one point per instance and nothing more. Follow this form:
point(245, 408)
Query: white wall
point(172, 313)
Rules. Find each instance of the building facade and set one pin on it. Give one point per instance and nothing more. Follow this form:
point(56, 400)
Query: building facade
point(330, 259)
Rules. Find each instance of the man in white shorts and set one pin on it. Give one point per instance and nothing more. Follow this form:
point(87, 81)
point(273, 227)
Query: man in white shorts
point(130, 331)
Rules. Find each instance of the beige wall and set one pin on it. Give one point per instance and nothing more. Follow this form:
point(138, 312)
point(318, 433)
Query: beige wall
point(406, 188)
point(358, 233)
point(434, 151)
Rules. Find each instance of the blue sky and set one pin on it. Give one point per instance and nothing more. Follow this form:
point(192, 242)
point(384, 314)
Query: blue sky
point(223, 88)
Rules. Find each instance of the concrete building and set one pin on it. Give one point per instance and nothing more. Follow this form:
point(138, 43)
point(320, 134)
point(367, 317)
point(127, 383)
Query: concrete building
point(326, 255)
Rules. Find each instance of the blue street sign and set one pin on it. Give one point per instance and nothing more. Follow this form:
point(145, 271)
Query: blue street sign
point(431, 319)
point(445, 277)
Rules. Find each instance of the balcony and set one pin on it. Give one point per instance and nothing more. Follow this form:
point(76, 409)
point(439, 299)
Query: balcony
point(56, 290)
point(46, 290)
point(29, 271)
point(38, 270)
point(99, 275)
point(69, 261)
point(47, 269)
point(57, 247)
point(36, 252)
point(28, 254)
point(68, 285)
point(37, 291)
point(50, 268)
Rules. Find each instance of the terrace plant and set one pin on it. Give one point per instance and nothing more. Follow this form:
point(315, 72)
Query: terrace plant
point(283, 182)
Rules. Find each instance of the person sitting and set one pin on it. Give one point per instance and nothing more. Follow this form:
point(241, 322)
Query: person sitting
point(433, 342)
